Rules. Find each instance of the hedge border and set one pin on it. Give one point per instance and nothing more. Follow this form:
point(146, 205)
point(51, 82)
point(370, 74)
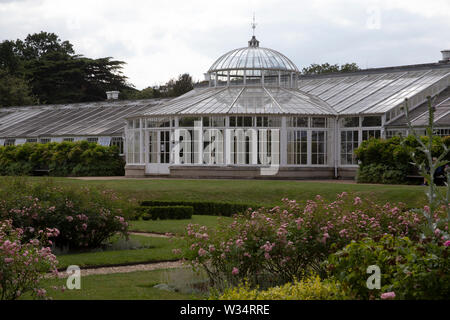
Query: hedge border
point(167, 212)
point(211, 208)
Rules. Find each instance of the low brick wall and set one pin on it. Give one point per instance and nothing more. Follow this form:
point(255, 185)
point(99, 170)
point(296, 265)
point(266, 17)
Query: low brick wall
point(134, 171)
point(244, 172)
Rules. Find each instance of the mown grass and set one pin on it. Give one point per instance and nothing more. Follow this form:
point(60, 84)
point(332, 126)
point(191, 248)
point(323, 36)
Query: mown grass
point(156, 249)
point(119, 286)
point(176, 226)
point(263, 192)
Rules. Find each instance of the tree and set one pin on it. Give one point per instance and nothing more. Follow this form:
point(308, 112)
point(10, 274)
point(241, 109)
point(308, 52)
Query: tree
point(9, 59)
point(329, 68)
point(56, 74)
point(14, 91)
point(38, 45)
point(349, 67)
point(183, 84)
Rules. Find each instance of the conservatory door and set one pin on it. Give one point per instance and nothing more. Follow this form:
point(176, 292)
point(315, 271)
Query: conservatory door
point(158, 155)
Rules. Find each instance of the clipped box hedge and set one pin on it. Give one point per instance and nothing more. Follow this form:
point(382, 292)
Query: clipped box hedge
point(167, 212)
point(202, 207)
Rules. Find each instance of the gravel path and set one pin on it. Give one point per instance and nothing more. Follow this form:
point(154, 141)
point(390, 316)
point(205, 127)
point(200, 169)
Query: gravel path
point(150, 234)
point(131, 268)
point(126, 269)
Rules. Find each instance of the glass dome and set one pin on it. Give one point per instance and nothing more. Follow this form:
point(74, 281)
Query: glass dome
point(253, 65)
point(253, 57)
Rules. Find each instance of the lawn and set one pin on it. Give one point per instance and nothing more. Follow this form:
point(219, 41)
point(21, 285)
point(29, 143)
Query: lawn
point(175, 226)
point(156, 249)
point(264, 192)
point(119, 286)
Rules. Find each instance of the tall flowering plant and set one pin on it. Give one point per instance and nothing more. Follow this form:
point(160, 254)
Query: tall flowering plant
point(23, 263)
point(434, 228)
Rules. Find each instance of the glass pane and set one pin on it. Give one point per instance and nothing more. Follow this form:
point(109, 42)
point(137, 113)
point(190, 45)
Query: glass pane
point(350, 122)
point(371, 121)
point(318, 122)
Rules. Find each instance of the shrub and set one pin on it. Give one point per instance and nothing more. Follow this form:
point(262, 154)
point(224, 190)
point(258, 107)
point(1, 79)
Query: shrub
point(389, 160)
point(203, 207)
point(379, 173)
point(283, 243)
point(168, 212)
point(310, 288)
point(411, 270)
point(85, 217)
point(61, 159)
point(24, 263)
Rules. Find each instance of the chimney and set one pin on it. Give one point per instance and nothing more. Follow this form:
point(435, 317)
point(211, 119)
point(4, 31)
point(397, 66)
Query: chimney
point(112, 95)
point(445, 56)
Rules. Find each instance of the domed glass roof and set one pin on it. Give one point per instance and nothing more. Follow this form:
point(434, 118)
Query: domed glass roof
point(253, 57)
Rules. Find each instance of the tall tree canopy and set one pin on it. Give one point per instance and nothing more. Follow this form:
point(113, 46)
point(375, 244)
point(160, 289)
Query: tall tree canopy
point(172, 88)
point(329, 68)
point(55, 74)
point(183, 84)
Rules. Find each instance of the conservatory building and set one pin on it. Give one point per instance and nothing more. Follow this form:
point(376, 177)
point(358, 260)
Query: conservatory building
point(258, 118)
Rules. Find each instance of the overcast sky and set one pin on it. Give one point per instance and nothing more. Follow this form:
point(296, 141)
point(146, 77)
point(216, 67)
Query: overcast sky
point(161, 39)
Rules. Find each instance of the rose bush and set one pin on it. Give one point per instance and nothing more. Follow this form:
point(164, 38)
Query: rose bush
point(280, 244)
point(23, 263)
point(85, 217)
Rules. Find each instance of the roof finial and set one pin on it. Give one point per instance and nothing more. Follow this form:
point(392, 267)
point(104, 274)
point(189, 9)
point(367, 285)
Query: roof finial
point(253, 42)
point(253, 24)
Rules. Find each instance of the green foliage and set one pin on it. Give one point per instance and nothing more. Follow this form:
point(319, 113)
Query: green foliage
point(427, 169)
point(203, 207)
point(183, 85)
point(329, 68)
point(167, 212)
point(85, 217)
point(61, 159)
point(390, 160)
point(55, 73)
point(410, 269)
point(309, 288)
point(14, 91)
point(278, 245)
point(379, 173)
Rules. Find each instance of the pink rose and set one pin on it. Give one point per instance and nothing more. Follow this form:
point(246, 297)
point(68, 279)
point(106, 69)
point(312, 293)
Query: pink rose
point(9, 260)
point(447, 243)
point(235, 271)
point(388, 295)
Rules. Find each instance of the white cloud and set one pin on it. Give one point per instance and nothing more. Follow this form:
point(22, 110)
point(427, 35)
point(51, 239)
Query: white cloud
point(161, 39)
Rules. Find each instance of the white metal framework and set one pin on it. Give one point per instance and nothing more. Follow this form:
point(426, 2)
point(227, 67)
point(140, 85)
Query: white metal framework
point(255, 113)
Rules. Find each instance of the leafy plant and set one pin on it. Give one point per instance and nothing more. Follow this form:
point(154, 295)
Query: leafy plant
point(61, 159)
point(411, 270)
point(427, 168)
point(309, 288)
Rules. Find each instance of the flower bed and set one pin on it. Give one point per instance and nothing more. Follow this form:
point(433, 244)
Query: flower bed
point(278, 245)
point(85, 217)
